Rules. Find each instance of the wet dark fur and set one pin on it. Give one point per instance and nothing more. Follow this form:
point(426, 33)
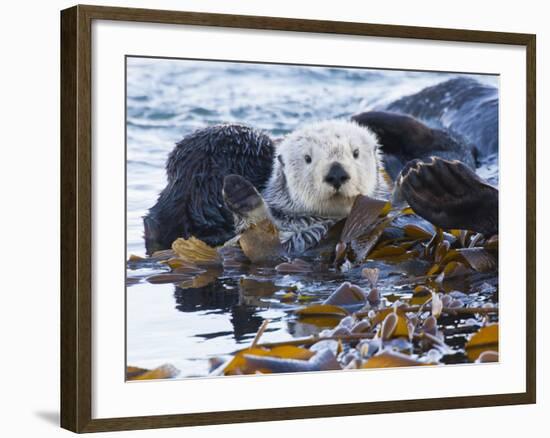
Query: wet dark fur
point(404, 138)
point(192, 204)
point(461, 105)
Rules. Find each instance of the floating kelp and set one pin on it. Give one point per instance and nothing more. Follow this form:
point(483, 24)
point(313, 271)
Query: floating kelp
point(393, 323)
point(391, 359)
point(486, 339)
point(322, 310)
point(260, 242)
point(202, 279)
point(396, 335)
point(166, 371)
point(397, 292)
point(364, 212)
point(321, 361)
point(182, 267)
point(417, 232)
point(195, 251)
point(479, 259)
point(284, 359)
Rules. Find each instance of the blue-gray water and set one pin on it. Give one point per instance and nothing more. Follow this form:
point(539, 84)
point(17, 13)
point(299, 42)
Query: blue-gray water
point(167, 99)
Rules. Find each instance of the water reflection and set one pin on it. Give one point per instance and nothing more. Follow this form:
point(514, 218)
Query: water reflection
point(221, 298)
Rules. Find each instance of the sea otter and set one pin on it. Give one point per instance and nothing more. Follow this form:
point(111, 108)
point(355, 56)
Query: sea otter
point(309, 179)
point(191, 204)
point(455, 121)
point(308, 183)
point(318, 172)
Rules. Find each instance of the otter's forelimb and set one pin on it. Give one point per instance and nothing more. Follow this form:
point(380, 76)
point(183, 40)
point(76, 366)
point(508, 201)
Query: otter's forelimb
point(297, 233)
point(450, 195)
point(246, 203)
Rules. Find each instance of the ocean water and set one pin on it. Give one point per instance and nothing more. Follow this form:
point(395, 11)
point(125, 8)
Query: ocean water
point(167, 99)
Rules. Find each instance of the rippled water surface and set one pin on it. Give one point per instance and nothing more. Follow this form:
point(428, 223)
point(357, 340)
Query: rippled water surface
point(187, 324)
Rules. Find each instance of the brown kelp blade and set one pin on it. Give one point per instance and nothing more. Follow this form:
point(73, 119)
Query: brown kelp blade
point(477, 258)
point(183, 267)
point(486, 339)
point(391, 359)
point(324, 360)
point(201, 280)
point(166, 371)
point(363, 214)
point(239, 364)
point(260, 242)
point(365, 243)
point(195, 251)
point(322, 310)
point(332, 237)
point(162, 255)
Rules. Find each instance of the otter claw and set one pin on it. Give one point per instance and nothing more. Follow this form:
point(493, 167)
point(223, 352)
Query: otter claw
point(240, 195)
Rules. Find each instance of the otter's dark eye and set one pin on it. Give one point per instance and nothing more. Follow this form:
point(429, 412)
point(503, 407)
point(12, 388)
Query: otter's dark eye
point(307, 158)
point(356, 153)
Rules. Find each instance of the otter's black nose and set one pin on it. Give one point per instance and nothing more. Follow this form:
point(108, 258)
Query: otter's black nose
point(336, 176)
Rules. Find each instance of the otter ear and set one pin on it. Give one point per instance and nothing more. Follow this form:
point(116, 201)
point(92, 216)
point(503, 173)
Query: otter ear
point(280, 158)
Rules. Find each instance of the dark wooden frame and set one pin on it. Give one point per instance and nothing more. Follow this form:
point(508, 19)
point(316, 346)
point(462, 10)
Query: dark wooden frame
point(76, 174)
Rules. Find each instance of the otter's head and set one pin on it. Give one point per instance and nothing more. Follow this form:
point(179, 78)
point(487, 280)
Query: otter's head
point(326, 165)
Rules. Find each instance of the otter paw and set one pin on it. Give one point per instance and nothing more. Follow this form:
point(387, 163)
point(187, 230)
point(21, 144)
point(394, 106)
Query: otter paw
point(450, 195)
point(242, 198)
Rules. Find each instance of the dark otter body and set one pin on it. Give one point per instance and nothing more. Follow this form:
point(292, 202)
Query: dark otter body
point(404, 138)
point(445, 191)
point(462, 105)
point(192, 204)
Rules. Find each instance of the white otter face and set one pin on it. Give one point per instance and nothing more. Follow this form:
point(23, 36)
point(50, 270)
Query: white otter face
point(327, 164)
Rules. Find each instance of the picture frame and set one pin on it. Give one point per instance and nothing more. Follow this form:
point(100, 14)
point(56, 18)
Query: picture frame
point(77, 194)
